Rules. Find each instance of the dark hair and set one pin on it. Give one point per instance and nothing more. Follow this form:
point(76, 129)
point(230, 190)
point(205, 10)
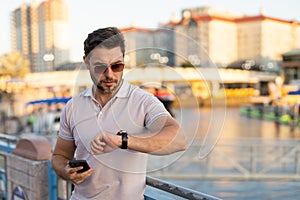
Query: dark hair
point(109, 37)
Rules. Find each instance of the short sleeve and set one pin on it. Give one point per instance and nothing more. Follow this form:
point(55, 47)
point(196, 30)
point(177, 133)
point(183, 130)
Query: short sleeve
point(153, 110)
point(65, 131)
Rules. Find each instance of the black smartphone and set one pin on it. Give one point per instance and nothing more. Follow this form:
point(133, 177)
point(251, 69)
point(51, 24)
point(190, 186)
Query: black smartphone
point(77, 163)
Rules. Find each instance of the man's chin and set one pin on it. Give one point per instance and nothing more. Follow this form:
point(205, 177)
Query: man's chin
point(106, 90)
point(109, 90)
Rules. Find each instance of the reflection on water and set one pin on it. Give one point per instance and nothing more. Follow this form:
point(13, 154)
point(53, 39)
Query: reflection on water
point(242, 126)
point(203, 122)
point(198, 122)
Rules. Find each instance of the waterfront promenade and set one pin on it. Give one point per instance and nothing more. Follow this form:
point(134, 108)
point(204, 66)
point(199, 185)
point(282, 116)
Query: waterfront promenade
point(253, 158)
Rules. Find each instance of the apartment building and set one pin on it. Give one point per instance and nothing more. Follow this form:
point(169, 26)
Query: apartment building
point(40, 31)
point(226, 37)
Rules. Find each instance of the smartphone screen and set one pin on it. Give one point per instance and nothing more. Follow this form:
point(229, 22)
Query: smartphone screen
point(77, 163)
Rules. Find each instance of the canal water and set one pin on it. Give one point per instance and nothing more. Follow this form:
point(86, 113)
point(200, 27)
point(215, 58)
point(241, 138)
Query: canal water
point(229, 124)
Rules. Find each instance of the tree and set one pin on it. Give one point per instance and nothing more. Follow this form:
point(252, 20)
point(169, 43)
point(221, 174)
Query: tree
point(14, 65)
point(13, 68)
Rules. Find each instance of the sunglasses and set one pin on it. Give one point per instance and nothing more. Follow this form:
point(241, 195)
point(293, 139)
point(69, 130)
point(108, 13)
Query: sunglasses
point(101, 68)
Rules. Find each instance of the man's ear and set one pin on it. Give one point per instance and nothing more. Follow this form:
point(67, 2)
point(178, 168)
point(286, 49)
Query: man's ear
point(86, 62)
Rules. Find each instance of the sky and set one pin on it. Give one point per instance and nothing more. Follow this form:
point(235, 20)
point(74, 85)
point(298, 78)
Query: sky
point(88, 15)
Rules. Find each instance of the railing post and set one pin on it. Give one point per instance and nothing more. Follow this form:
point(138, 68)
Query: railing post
point(52, 180)
point(253, 158)
point(297, 163)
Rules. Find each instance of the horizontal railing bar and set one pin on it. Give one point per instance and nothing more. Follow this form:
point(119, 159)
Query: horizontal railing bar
point(178, 190)
point(191, 176)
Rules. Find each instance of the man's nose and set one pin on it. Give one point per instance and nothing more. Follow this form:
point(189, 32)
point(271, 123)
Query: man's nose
point(108, 72)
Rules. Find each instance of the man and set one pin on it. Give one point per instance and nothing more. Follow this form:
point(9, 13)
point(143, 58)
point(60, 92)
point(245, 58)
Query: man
point(90, 123)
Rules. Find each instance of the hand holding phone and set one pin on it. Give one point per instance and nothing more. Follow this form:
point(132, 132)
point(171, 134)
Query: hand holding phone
point(77, 163)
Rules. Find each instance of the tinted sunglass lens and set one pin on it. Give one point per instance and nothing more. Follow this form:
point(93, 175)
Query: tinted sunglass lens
point(99, 69)
point(117, 67)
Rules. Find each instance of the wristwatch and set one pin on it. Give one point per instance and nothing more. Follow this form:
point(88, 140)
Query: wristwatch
point(124, 138)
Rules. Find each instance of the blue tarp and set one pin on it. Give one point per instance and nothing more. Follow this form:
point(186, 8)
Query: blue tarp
point(49, 101)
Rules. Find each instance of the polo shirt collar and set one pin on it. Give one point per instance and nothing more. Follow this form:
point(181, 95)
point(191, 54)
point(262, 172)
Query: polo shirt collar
point(122, 93)
point(124, 90)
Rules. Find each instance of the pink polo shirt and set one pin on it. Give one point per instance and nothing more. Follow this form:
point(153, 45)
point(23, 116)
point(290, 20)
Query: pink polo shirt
point(119, 174)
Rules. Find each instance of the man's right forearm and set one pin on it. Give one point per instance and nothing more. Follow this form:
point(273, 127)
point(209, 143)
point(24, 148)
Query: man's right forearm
point(58, 164)
point(63, 152)
point(63, 170)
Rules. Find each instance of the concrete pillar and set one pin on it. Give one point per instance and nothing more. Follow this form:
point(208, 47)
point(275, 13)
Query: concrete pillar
point(27, 169)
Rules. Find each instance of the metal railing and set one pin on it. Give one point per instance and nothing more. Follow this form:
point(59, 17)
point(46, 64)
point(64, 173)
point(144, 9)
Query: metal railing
point(243, 159)
point(248, 158)
point(167, 189)
point(8, 142)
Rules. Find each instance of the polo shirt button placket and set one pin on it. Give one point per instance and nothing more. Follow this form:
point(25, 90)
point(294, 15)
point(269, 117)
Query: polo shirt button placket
point(100, 114)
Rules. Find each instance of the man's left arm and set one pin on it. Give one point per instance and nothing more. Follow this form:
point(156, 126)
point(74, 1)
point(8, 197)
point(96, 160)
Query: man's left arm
point(166, 137)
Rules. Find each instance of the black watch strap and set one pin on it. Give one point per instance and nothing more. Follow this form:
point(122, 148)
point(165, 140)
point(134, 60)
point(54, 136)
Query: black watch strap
point(124, 139)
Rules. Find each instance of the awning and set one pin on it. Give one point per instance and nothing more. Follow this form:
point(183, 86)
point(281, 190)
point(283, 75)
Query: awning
point(49, 101)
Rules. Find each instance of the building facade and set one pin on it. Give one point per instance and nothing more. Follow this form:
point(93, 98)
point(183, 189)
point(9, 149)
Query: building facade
point(291, 67)
point(40, 31)
point(227, 37)
point(148, 46)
